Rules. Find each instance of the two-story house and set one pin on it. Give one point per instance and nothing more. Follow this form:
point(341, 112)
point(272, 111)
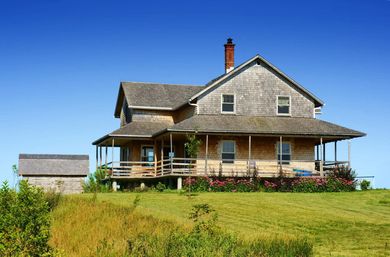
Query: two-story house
point(253, 118)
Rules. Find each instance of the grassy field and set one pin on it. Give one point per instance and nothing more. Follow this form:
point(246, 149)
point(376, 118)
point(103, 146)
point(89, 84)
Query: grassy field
point(338, 224)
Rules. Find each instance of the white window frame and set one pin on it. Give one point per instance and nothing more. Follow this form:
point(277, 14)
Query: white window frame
point(235, 151)
point(234, 104)
point(277, 145)
point(277, 105)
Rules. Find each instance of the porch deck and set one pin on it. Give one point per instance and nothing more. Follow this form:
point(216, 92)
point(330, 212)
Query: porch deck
point(182, 167)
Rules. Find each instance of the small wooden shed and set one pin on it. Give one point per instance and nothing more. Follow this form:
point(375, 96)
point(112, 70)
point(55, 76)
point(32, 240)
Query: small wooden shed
point(62, 173)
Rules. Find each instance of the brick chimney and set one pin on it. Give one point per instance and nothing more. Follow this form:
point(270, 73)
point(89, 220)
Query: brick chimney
point(229, 55)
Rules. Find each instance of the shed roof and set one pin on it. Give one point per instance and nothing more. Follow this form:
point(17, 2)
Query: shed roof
point(53, 165)
point(264, 125)
point(136, 129)
point(144, 95)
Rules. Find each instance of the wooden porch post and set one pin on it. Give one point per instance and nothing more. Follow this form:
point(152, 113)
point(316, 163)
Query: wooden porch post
point(155, 158)
point(171, 157)
point(321, 161)
point(206, 154)
point(106, 158)
point(349, 154)
point(101, 157)
point(335, 152)
point(97, 157)
point(250, 148)
point(249, 153)
point(112, 152)
point(281, 154)
point(324, 152)
point(162, 157)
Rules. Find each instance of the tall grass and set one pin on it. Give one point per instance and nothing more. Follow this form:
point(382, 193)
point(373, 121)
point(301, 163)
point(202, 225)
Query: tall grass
point(85, 227)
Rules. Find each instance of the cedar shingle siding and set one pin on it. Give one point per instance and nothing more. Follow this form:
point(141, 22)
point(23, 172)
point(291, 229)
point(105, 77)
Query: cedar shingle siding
point(255, 90)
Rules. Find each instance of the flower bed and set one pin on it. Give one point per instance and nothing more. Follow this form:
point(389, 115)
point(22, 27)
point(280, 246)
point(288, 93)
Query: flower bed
point(300, 184)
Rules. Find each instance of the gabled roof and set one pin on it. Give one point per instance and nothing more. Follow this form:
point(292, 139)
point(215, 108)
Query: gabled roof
point(154, 96)
point(257, 58)
point(235, 124)
point(157, 96)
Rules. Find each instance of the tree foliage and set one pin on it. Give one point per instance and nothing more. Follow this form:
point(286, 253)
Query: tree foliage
point(24, 221)
point(192, 145)
point(96, 182)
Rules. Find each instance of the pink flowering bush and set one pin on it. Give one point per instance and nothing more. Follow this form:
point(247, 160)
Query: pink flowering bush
point(270, 186)
point(203, 184)
point(328, 184)
point(332, 183)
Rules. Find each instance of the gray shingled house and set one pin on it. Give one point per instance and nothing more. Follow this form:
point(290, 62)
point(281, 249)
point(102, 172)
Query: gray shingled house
point(251, 118)
point(61, 173)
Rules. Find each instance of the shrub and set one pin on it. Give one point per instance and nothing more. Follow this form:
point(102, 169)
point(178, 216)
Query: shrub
point(52, 198)
point(141, 189)
point(365, 184)
point(160, 187)
point(96, 182)
point(343, 172)
point(270, 186)
point(24, 221)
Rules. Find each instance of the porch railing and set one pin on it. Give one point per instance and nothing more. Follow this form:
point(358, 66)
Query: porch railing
point(212, 167)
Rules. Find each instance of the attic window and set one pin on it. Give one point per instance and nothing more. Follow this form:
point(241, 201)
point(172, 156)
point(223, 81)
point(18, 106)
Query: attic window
point(228, 102)
point(283, 105)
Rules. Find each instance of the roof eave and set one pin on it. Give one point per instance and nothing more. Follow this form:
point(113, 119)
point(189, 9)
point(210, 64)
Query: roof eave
point(266, 133)
point(117, 112)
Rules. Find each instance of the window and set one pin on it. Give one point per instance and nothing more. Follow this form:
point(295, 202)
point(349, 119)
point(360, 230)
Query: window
point(228, 104)
point(286, 152)
point(228, 151)
point(166, 151)
point(147, 155)
point(283, 105)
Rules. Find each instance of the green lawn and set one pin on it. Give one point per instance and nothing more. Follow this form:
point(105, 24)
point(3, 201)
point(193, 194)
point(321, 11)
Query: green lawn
point(339, 224)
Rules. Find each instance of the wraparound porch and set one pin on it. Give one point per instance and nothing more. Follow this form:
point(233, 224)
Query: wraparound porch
point(253, 155)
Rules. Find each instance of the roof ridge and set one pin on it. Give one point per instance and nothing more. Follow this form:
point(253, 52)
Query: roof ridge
point(158, 83)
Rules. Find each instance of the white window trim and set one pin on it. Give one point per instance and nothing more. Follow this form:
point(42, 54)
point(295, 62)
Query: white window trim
point(235, 150)
point(277, 105)
point(278, 152)
point(234, 104)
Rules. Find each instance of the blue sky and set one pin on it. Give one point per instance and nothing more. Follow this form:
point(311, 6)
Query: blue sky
point(61, 63)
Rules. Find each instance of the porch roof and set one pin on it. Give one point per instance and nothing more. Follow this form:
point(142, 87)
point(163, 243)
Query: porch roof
point(233, 124)
point(294, 126)
point(135, 129)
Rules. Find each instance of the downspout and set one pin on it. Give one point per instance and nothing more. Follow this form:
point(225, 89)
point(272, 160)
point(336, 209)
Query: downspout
point(195, 105)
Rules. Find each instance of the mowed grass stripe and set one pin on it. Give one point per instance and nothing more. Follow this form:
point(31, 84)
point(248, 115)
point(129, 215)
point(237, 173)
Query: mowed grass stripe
point(340, 224)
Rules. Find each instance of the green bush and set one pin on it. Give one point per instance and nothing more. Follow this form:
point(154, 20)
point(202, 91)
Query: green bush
point(24, 221)
point(96, 182)
point(160, 187)
point(365, 184)
point(52, 198)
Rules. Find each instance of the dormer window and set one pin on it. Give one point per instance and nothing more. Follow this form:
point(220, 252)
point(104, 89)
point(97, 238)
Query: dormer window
point(228, 103)
point(283, 105)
